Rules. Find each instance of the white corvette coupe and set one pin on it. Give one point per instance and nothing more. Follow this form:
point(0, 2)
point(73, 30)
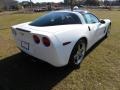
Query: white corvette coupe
point(60, 37)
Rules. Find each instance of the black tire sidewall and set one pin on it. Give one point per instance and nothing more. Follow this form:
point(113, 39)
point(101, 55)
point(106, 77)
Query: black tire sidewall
point(71, 60)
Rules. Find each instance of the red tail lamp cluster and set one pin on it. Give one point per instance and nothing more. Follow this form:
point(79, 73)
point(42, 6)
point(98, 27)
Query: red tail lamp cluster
point(45, 40)
point(36, 39)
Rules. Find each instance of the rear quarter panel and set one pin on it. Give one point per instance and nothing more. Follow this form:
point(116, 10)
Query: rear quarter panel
point(72, 35)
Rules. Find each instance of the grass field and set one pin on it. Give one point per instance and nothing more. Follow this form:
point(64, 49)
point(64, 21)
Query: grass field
point(100, 69)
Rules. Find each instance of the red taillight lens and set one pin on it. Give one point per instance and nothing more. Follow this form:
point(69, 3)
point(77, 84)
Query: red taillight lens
point(46, 41)
point(36, 39)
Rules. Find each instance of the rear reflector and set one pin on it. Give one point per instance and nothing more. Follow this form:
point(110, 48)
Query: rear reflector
point(36, 39)
point(46, 41)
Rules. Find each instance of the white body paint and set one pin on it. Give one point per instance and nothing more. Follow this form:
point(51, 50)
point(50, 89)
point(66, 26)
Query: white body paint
point(58, 54)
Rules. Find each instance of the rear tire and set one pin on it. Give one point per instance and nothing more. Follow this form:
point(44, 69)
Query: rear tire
point(78, 53)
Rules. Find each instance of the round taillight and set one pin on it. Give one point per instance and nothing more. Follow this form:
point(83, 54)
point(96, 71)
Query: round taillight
point(46, 41)
point(36, 39)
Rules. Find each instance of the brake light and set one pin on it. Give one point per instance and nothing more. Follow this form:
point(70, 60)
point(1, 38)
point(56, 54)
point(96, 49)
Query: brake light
point(36, 39)
point(46, 41)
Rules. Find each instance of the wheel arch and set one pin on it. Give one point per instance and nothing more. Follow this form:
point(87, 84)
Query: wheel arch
point(86, 41)
point(84, 38)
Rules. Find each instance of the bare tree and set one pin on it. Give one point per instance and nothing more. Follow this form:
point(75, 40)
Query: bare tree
point(1, 4)
point(92, 2)
point(31, 3)
point(6, 4)
point(72, 3)
point(101, 2)
point(108, 4)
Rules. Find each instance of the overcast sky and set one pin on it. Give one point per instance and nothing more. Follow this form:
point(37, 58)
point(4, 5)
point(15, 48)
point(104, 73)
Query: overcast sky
point(42, 0)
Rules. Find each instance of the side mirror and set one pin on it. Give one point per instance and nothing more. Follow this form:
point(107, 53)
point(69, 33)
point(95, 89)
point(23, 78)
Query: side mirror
point(102, 21)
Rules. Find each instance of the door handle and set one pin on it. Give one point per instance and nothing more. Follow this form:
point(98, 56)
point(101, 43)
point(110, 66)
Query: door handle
point(89, 28)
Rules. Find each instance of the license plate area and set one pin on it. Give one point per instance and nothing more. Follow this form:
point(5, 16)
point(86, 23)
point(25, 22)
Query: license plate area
point(25, 45)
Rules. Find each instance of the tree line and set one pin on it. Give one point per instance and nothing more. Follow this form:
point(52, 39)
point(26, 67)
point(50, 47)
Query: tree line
point(15, 5)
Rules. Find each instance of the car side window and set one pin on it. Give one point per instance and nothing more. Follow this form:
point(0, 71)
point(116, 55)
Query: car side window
point(71, 18)
point(90, 18)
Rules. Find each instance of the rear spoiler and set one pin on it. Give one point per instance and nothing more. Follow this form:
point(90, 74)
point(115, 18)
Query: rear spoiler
point(19, 29)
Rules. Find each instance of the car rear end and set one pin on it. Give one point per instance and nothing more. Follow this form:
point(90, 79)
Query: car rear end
point(42, 45)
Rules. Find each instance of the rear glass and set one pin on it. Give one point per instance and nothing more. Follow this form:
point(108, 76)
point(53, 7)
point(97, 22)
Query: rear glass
point(56, 18)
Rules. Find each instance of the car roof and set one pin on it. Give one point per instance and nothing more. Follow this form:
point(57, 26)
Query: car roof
point(68, 10)
point(81, 11)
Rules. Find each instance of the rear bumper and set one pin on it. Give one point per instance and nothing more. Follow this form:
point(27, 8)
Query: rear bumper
point(54, 54)
point(51, 56)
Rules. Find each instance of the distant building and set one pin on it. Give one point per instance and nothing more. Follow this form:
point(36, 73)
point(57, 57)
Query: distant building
point(109, 2)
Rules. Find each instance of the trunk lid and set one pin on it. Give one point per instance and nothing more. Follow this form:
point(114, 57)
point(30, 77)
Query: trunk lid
point(49, 29)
